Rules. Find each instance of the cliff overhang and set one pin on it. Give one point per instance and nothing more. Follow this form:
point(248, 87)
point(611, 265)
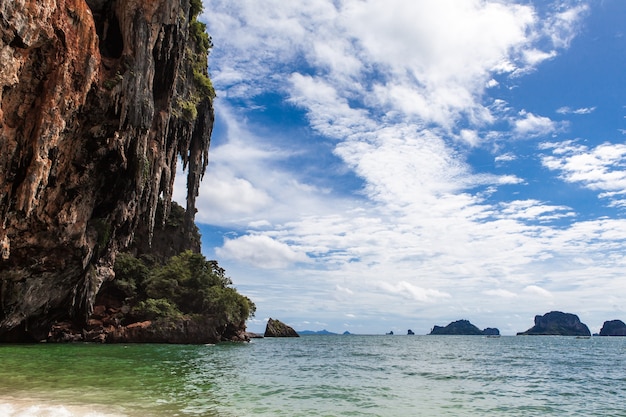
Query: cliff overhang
point(99, 101)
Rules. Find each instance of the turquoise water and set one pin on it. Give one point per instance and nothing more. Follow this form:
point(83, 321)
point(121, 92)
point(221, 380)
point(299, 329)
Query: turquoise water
point(320, 376)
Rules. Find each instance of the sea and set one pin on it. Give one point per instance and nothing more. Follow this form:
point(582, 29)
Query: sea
point(330, 375)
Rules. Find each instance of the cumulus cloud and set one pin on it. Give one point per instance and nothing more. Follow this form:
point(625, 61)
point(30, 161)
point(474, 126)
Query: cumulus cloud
point(529, 125)
point(601, 168)
point(397, 92)
point(261, 251)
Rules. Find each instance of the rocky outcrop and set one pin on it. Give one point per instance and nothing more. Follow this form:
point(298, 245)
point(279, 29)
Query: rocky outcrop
point(556, 323)
point(463, 327)
point(613, 328)
point(276, 328)
point(491, 331)
point(98, 101)
point(107, 329)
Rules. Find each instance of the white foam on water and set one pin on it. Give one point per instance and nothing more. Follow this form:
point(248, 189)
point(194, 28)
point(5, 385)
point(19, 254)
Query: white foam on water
point(16, 407)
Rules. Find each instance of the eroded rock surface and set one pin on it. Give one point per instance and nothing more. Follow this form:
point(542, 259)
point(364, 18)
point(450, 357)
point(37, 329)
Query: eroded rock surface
point(97, 103)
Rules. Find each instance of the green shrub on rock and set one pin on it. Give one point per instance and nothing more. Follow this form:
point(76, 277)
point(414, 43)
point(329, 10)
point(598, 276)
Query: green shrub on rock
point(155, 308)
point(187, 285)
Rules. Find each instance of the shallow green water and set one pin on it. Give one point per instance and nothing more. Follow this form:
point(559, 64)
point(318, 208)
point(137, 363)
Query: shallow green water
point(320, 376)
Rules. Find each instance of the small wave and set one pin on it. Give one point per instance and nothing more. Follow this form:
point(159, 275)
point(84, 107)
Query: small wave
point(14, 407)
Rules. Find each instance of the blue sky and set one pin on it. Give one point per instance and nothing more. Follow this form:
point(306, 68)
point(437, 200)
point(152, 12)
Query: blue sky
point(385, 165)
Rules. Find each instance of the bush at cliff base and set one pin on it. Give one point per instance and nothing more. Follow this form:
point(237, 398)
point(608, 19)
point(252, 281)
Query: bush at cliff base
point(186, 285)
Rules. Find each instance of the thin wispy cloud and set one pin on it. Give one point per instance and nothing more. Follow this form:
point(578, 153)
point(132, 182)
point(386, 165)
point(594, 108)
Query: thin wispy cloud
point(581, 110)
point(373, 159)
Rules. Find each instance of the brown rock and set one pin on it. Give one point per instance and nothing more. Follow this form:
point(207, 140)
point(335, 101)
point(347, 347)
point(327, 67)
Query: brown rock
point(91, 129)
point(99, 311)
point(140, 325)
point(276, 328)
point(91, 323)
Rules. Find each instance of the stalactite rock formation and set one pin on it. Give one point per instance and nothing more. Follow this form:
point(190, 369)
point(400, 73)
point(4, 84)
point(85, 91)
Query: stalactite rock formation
point(92, 126)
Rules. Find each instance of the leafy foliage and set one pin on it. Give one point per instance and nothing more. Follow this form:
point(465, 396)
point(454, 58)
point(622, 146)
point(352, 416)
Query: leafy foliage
point(128, 272)
point(195, 7)
point(198, 58)
point(197, 30)
point(187, 284)
point(154, 308)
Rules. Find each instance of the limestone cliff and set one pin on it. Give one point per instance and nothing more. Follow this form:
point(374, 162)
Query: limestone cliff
point(98, 100)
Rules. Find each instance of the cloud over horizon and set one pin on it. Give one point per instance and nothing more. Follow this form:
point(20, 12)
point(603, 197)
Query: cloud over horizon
point(375, 153)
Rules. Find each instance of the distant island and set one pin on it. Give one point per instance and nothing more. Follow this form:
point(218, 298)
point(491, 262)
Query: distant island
point(613, 328)
point(465, 328)
point(557, 323)
point(316, 332)
point(554, 323)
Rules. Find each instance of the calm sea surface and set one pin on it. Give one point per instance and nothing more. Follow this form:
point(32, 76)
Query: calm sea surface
point(320, 376)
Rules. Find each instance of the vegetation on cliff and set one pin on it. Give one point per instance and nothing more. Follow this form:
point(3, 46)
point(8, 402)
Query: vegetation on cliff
point(164, 293)
point(186, 285)
point(100, 100)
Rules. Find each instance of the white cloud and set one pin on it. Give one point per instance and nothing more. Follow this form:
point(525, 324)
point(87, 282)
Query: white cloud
point(261, 251)
point(492, 83)
point(500, 293)
point(432, 59)
point(536, 290)
point(506, 157)
point(399, 89)
point(413, 292)
point(529, 125)
point(602, 168)
point(559, 25)
point(470, 137)
point(581, 110)
point(534, 210)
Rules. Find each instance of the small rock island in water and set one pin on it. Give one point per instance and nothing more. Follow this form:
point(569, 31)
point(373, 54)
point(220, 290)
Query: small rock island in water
point(465, 328)
point(557, 323)
point(613, 328)
point(276, 328)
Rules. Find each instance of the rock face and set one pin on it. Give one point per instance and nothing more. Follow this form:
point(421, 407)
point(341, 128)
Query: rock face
point(556, 323)
point(98, 100)
point(613, 328)
point(276, 328)
point(463, 327)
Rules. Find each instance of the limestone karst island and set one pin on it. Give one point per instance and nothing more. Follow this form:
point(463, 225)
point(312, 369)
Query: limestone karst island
point(100, 101)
